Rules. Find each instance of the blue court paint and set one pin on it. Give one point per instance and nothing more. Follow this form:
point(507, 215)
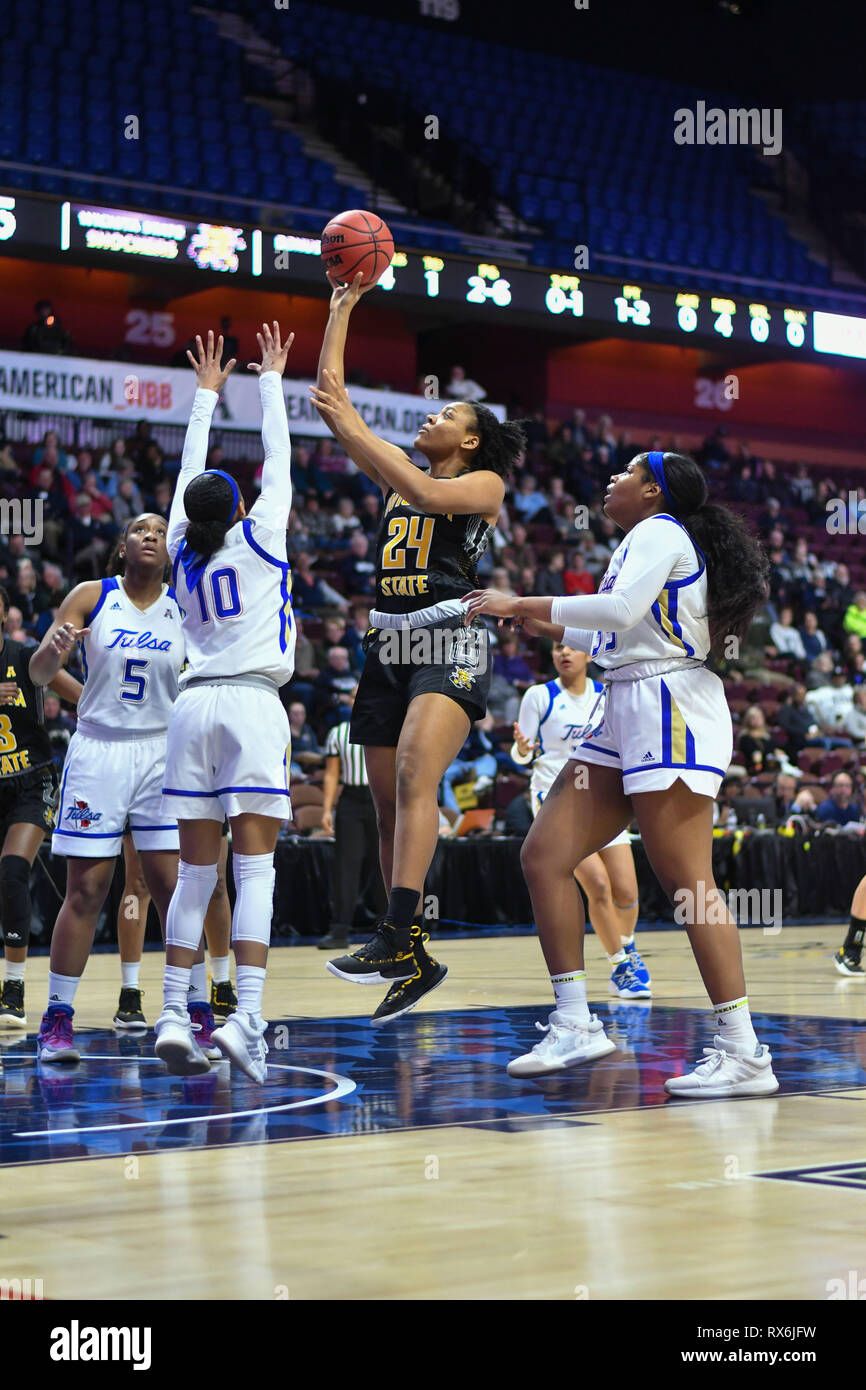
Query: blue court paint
point(426, 1071)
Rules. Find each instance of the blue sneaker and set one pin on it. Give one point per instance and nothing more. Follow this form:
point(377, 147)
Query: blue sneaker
point(636, 962)
point(625, 983)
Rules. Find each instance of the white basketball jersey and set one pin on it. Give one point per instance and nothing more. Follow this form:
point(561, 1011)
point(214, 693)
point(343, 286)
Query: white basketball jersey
point(675, 623)
point(553, 718)
point(238, 619)
point(132, 660)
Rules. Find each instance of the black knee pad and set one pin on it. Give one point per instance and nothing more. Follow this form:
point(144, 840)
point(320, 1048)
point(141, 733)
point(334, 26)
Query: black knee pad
point(15, 906)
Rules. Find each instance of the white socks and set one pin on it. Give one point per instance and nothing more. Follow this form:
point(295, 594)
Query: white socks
point(569, 991)
point(734, 1024)
point(129, 973)
point(175, 987)
point(618, 958)
point(61, 988)
point(198, 984)
point(219, 969)
point(254, 900)
point(251, 985)
point(15, 969)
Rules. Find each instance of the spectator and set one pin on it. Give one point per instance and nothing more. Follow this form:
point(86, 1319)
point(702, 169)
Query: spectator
point(90, 540)
point(840, 806)
point(128, 503)
point(531, 504)
point(50, 493)
point(509, 664)
point(518, 815)
point(332, 687)
point(46, 333)
point(798, 721)
point(356, 631)
point(161, 498)
point(309, 591)
point(476, 759)
point(28, 593)
point(755, 741)
point(785, 639)
point(150, 465)
point(358, 571)
point(854, 722)
point(333, 635)
point(519, 554)
point(550, 579)
point(344, 522)
point(855, 614)
point(463, 388)
point(51, 441)
point(101, 505)
point(813, 639)
point(315, 521)
point(114, 459)
point(577, 578)
point(784, 794)
point(831, 703)
point(59, 728)
point(802, 486)
point(306, 753)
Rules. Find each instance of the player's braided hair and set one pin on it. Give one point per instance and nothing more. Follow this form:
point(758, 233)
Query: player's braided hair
point(208, 505)
point(501, 442)
point(737, 566)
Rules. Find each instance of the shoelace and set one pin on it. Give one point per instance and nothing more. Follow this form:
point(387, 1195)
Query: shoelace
point(715, 1056)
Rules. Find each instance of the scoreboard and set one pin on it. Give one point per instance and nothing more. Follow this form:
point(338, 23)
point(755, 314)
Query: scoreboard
point(585, 305)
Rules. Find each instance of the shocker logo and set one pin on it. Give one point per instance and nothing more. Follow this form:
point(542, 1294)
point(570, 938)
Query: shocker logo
point(461, 678)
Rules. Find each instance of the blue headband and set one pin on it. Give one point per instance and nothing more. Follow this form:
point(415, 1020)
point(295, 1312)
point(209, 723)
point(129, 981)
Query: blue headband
point(193, 565)
point(656, 461)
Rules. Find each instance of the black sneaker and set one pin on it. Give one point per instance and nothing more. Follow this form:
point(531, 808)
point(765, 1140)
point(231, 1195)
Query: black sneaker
point(334, 941)
point(378, 962)
point(403, 996)
point(849, 964)
point(12, 1005)
point(223, 1000)
point(129, 1014)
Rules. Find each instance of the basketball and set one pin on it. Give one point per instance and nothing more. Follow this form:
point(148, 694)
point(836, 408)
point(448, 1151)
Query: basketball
point(354, 241)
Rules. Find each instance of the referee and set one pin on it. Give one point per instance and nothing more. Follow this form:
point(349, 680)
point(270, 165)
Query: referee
point(355, 833)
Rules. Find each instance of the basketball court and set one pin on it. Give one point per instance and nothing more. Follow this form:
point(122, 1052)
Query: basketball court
point(404, 1162)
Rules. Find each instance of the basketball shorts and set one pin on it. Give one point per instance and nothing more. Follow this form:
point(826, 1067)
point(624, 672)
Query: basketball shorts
point(403, 663)
point(662, 728)
point(537, 795)
point(227, 754)
point(30, 799)
point(109, 786)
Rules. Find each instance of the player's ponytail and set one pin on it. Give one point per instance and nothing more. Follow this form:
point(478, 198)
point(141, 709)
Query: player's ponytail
point(501, 442)
point(210, 503)
point(737, 566)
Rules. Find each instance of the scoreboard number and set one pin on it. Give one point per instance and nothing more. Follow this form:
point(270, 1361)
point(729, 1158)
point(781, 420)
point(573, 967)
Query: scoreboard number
point(486, 285)
point(631, 307)
point(795, 327)
point(8, 220)
point(564, 295)
point(687, 312)
point(724, 309)
point(433, 266)
point(398, 261)
point(759, 325)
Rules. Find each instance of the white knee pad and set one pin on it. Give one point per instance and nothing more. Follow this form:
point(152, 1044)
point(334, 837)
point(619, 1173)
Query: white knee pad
point(254, 897)
point(189, 903)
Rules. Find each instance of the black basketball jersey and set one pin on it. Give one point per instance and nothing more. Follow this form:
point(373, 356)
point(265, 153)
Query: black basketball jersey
point(424, 558)
point(24, 741)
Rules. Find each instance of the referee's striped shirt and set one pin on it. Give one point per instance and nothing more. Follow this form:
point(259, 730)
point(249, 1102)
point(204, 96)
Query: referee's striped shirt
point(353, 772)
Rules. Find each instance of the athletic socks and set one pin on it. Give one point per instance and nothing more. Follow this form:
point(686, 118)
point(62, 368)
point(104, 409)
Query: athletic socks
point(734, 1025)
point(198, 984)
point(402, 906)
point(175, 986)
point(15, 969)
point(854, 940)
point(61, 988)
point(627, 941)
point(251, 986)
point(130, 971)
point(569, 991)
point(619, 957)
point(219, 969)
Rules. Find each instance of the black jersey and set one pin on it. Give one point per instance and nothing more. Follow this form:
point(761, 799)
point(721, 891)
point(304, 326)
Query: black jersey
point(424, 558)
point(24, 741)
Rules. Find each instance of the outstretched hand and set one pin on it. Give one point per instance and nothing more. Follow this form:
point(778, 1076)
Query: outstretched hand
point(331, 399)
point(209, 372)
point(274, 352)
point(489, 601)
point(345, 297)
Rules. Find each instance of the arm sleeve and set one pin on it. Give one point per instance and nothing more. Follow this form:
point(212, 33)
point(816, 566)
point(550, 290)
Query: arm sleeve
point(192, 463)
point(275, 501)
point(652, 554)
point(580, 639)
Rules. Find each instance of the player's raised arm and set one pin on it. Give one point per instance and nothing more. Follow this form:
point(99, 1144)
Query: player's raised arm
point(276, 493)
point(211, 377)
point(64, 633)
point(331, 367)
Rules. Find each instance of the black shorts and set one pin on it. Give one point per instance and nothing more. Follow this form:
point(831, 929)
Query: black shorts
point(396, 670)
point(29, 800)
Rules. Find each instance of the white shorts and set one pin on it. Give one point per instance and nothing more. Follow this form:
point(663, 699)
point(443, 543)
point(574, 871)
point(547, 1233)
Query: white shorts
point(107, 787)
point(536, 798)
point(662, 728)
point(227, 754)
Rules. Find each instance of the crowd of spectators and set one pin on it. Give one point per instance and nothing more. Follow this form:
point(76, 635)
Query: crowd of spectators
point(797, 688)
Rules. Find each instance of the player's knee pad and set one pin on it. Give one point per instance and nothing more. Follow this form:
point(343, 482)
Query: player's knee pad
point(15, 906)
point(254, 897)
point(189, 903)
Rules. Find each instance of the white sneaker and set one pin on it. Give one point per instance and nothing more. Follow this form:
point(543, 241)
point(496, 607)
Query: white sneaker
point(565, 1044)
point(175, 1044)
point(726, 1073)
point(242, 1039)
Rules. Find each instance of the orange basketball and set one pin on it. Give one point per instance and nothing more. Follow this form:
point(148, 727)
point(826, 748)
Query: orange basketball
point(354, 241)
